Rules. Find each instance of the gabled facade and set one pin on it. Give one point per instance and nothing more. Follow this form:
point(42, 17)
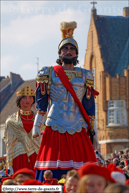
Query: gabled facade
point(107, 56)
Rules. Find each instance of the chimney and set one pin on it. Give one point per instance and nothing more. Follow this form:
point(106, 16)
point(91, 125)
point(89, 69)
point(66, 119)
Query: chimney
point(126, 12)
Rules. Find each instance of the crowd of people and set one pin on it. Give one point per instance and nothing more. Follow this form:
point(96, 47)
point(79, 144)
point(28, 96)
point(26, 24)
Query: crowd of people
point(110, 175)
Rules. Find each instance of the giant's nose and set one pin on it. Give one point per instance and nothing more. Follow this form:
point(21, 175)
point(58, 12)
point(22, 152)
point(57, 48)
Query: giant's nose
point(27, 99)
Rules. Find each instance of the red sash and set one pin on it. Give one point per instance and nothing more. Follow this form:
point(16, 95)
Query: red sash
point(64, 79)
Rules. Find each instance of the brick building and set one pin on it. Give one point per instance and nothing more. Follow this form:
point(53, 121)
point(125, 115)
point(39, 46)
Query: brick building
point(107, 56)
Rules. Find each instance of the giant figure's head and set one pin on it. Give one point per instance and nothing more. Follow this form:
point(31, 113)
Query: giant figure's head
point(25, 98)
point(67, 29)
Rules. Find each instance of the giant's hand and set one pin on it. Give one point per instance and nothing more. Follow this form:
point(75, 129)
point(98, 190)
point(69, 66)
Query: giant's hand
point(95, 139)
point(11, 170)
point(95, 143)
point(36, 126)
point(36, 131)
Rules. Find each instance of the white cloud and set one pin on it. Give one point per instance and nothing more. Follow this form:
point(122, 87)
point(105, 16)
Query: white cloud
point(27, 66)
point(7, 61)
point(30, 30)
point(81, 62)
point(28, 69)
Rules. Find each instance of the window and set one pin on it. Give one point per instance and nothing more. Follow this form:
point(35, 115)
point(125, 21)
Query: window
point(117, 112)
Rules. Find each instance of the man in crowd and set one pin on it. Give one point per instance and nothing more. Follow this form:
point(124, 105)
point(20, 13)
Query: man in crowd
point(71, 183)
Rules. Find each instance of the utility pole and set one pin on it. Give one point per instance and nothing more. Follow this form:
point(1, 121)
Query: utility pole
point(37, 64)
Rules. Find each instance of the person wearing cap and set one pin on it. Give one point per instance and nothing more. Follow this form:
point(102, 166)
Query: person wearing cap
point(65, 144)
point(93, 178)
point(117, 173)
point(22, 175)
point(7, 182)
point(20, 148)
point(6, 178)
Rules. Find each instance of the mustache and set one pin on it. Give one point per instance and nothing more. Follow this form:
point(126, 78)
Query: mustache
point(68, 60)
point(68, 54)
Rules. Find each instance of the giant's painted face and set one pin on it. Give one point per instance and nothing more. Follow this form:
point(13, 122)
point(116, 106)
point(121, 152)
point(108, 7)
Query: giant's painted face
point(68, 51)
point(26, 103)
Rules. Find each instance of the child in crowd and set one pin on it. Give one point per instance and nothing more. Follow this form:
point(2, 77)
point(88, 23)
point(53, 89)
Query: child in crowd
point(94, 178)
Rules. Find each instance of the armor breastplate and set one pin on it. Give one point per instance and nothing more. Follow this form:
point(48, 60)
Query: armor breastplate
point(64, 114)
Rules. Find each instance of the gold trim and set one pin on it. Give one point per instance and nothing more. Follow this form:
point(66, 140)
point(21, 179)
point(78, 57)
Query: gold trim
point(26, 91)
point(25, 112)
point(50, 71)
point(72, 73)
point(42, 79)
point(71, 131)
point(89, 82)
point(62, 130)
point(42, 112)
point(55, 126)
point(68, 41)
point(78, 129)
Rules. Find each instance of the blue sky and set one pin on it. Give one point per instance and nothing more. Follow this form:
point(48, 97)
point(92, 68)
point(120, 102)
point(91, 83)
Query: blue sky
point(31, 29)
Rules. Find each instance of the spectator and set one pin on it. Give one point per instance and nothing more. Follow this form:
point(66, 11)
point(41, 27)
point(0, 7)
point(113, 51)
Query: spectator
point(120, 166)
point(117, 173)
point(113, 155)
point(49, 180)
point(120, 153)
point(126, 171)
point(94, 178)
point(23, 174)
point(116, 161)
point(71, 183)
point(63, 176)
point(127, 151)
point(106, 162)
point(116, 188)
point(61, 181)
point(2, 173)
point(5, 178)
point(8, 181)
point(122, 163)
point(48, 175)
